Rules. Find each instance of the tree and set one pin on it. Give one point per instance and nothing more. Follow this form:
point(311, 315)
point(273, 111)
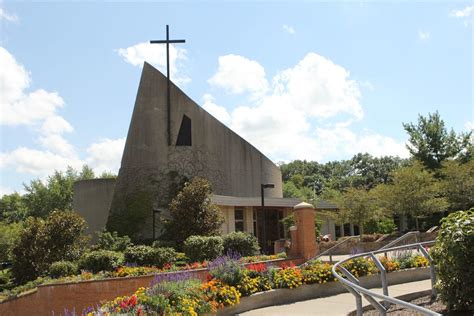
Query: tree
point(432, 144)
point(457, 184)
point(192, 212)
point(55, 193)
point(414, 192)
point(357, 206)
point(13, 208)
point(42, 242)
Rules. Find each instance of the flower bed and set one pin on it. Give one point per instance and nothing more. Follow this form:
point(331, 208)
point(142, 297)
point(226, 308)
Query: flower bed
point(228, 281)
point(123, 271)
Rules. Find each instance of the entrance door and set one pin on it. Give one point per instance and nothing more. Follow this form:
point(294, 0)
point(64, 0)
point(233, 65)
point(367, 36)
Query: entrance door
point(270, 228)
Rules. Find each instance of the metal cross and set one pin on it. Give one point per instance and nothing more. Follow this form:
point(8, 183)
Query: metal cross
point(168, 102)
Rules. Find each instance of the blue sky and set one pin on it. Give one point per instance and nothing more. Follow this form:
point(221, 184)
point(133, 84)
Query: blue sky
point(299, 80)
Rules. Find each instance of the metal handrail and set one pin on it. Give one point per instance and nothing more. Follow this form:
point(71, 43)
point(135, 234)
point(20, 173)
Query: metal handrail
point(399, 239)
point(351, 283)
point(328, 251)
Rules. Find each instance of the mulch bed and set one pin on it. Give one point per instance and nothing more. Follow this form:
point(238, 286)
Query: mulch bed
point(424, 301)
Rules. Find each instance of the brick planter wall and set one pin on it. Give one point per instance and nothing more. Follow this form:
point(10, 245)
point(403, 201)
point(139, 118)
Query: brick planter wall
point(47, 299)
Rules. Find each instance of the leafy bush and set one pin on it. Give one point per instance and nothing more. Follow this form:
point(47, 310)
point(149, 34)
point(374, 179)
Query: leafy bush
point(243, 243)
point(200, 248)
point(112, 241)
point(60, 269)
point(146, 255)
point(164, 243)
point(101, 260)
point(6, 280)
point(42, 242)
point(453, 254)
point(192, 212)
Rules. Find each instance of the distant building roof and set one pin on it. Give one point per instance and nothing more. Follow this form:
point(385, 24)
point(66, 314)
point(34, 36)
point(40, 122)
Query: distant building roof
point(269, 201)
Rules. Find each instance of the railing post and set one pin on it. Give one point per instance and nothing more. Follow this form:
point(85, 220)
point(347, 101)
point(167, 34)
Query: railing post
point(432, 270)
point(383, 277)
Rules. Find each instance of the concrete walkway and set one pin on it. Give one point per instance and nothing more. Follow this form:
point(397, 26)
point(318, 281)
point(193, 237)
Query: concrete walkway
point(340, 304)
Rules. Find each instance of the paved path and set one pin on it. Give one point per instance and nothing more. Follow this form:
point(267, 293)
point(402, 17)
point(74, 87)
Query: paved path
point(340, 304)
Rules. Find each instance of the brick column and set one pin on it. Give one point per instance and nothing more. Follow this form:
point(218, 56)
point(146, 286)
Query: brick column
point(305, 237)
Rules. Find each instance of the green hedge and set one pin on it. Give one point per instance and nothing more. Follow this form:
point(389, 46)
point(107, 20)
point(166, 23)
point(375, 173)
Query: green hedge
point(149, 256)
point(243, 243)
point(101, 260)
point(60, 269)
point(200, 248)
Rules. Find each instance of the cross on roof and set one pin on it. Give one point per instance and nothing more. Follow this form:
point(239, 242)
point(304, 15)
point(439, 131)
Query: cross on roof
point(167, 41)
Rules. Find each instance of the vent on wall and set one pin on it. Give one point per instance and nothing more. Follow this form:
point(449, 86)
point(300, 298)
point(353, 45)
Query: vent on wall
point(184, 135)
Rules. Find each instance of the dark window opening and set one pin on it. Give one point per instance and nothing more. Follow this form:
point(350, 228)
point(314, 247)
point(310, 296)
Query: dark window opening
point(239, 219)
point(184, 135)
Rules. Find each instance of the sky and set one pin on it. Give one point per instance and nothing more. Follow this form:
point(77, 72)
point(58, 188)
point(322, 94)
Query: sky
point(308, 80)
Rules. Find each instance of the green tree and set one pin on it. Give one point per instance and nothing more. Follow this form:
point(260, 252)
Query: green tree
point(56, 192)
point(431, 143)
point(13, 208)
point(192, 212)
point(8, 235)
point(357, 206)
point(41, 242)
point(457, 184)
point(415, 192)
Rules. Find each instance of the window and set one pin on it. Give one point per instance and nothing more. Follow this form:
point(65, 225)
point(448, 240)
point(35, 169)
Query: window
point(184, 135)
point(239, 219)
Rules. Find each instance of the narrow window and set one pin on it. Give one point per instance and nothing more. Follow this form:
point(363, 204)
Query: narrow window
point(239, 219)
point(184, 135)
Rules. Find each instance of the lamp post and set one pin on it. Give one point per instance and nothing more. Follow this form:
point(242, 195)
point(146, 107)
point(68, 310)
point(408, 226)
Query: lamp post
point(262, 191)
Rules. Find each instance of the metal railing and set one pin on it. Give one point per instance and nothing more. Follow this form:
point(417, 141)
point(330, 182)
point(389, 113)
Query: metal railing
point(330, 250)
point(399, 239)
point(352, 284)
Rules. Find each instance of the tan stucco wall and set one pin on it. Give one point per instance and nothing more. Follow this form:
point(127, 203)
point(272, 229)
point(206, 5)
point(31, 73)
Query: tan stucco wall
point(92, 199)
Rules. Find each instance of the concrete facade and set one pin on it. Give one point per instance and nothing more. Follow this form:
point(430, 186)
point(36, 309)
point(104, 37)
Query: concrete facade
point(92, 199)
point(151, 170)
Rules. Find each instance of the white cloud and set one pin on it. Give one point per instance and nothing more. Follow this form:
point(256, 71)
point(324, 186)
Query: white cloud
point(463, 14)
point(4, 15)
point(37, 110)
point(423, 35)
point(282, 123)
point(37, 162)
point(219, 112)
point(155, 54)
point(106, 155)
point(237, 74)
point(17, 106)
point(288, 29)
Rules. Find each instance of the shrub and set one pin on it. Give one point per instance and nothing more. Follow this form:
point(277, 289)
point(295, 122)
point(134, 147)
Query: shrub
point(148, 256)
point(243, 243)
point(60, 269)
point(42, 242)
point(382, 226)
point(192, 212)
point(200, 248)
point(164, 243)
point(112, 241)
point(453, 254)
point(101, 260)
